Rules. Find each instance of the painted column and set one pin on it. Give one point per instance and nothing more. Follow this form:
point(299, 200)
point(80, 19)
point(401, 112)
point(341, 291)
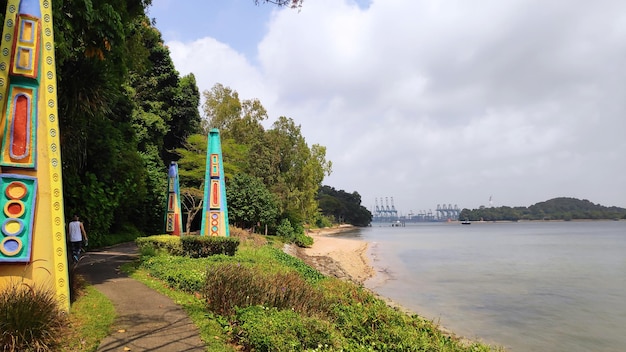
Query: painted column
point(214, 209)
point(32, 236)
point(173, 213)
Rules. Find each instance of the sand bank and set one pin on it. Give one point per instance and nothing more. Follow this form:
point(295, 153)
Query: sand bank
point(335, 256)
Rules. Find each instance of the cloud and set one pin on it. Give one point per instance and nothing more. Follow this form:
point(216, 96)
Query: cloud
point(445, 101)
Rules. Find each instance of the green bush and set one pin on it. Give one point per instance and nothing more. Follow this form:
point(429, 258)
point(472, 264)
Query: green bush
point(30, 319)
point(322, 221)
point(270, 329)
point(170, 244)
point(303, 240)
point(178, 272)
point(308, 273)
point(204, 246)
point(293, 234)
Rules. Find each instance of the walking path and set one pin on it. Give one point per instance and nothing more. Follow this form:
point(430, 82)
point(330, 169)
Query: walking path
point(146, 320)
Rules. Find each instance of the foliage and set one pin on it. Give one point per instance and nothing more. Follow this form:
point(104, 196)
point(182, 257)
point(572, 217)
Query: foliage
point(279, 157)
point(308, 273)
point(250, 202)
point(271, 329)
point(289, 3)
point(291, 234)
point(230, 285)
point(265, 301)
point(204, 246)
point(344, 207)
point(30, 318)
point(170, 244)
point(553, 209)
point(177, 272)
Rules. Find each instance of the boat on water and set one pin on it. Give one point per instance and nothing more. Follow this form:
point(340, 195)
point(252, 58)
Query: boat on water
point(466, 222)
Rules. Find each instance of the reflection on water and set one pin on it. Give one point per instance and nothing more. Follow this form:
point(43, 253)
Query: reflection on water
point(556, 286)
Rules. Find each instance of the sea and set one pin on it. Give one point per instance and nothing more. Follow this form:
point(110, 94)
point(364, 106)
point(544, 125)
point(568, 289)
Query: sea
point(525, 286)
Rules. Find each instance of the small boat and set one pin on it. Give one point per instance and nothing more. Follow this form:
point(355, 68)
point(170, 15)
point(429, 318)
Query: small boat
point(466, 222)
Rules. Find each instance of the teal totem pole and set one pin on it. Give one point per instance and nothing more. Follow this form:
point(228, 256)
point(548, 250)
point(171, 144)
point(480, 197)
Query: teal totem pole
point(214, 209)
point(173, 214)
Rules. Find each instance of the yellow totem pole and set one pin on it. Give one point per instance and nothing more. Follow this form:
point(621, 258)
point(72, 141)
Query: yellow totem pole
point(32, 224)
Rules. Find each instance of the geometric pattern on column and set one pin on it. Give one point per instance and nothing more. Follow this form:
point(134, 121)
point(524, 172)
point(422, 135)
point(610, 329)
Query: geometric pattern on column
point(215, 209)
point(17, 201)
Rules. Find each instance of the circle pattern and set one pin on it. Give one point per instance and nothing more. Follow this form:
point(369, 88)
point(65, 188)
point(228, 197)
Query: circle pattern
point(16, 190)
point(10, 246)
point(12, 227)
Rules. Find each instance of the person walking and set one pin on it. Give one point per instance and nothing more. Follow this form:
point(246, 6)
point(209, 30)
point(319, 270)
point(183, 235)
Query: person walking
point(77, 236)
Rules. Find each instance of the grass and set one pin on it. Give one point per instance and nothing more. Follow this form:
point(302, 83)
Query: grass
point(90, 320)
point(264, 301)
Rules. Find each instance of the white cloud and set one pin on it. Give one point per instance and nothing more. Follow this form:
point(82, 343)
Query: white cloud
point(445, 101)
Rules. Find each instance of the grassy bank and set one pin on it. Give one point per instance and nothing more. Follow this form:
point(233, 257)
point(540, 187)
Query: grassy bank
point(262, 299)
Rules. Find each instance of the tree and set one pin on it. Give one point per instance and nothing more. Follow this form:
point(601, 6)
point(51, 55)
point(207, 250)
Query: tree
point(290, 3)
point(250, 203)
point(343, 206)
point(299, 169)
point(192, 202)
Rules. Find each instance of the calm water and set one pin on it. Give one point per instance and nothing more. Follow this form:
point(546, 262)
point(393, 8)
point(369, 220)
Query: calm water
point(527, 286)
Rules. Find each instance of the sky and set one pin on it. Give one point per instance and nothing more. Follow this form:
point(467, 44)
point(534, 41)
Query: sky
point(429, 102)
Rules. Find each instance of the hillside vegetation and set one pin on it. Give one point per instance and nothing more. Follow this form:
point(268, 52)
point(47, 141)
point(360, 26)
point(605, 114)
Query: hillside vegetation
point(562, 208)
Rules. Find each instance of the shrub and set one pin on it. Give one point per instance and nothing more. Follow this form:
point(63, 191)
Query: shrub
point(322, 221)
point(168, 243)
point(231, 285)
point(286, 231)
point(204, 246)
point(270, 329)
point(303, 240)
point(178, 272)
point(308, 273)
point(30, 319)
point(293, 234)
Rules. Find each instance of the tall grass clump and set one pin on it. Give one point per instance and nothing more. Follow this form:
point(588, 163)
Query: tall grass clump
point(230, 285)
point(30, 319)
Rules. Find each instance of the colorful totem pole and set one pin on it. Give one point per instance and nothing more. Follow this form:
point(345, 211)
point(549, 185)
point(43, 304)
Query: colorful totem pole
point(32, 236)
point(214, 210)
point(173, 214)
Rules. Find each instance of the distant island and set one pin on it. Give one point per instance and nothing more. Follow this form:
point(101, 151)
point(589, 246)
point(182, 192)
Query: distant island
point(561, 208)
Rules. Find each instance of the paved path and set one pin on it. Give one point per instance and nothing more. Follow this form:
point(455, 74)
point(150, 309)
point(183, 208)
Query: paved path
point(146, 320)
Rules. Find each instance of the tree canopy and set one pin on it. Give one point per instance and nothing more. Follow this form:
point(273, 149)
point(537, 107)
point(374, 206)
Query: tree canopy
point(277, 160)
point(125, 113)
point(562, 208)
point(344, 207)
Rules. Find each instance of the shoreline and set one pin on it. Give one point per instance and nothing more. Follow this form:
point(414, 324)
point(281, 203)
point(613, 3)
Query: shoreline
point(349, 259)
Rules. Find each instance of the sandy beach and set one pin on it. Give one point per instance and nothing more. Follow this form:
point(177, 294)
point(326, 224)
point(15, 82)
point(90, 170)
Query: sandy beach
point(335, 256)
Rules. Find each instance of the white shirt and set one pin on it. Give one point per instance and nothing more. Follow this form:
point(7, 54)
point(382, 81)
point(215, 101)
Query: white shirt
point(75, 233)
